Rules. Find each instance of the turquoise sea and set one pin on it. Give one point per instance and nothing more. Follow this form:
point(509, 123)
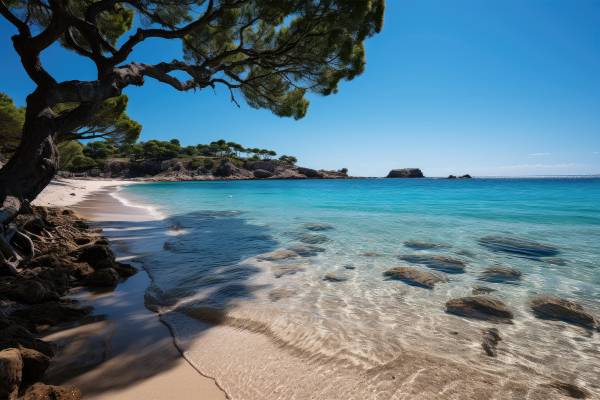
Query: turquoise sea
point(327, 324)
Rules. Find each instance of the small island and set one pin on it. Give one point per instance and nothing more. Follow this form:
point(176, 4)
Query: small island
point(405, 173)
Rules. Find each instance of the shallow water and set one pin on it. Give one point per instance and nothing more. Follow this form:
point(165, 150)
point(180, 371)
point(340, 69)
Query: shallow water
point(329, 325)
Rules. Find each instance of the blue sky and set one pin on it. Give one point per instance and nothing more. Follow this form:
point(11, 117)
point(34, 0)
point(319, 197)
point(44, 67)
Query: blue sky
point(506, 87)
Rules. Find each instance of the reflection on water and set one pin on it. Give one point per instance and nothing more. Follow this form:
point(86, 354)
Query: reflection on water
point(275, 307)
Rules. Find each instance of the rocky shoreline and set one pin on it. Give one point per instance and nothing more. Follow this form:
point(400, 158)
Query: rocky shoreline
point(180, 169)
point(34, 302)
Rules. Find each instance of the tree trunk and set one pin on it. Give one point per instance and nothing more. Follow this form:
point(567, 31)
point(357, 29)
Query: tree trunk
point(35, 162)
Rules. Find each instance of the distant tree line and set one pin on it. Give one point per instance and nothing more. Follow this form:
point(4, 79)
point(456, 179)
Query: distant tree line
point(75, 156)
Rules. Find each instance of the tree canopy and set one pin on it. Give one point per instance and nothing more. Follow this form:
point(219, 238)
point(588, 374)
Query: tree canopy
point(271, 52)
point(11, 123)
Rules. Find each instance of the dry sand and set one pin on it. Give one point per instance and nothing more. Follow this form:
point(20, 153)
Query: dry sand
point(124, 351)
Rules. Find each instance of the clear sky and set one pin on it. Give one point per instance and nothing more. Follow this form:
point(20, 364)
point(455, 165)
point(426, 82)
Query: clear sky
point(504, 87)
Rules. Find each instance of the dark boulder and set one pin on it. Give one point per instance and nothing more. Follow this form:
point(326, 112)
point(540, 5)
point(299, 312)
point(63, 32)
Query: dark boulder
point(440, 263)
point(555, 308)
point(35, 364)
point(310, 173)
point(28, 291)
point(40, 391)
point(262, 174)
point(226, 168)
point(406, 173)
point(97, 255)
point(51, 313)
point(415, 277)
point(480, 307)
point(106, 277)
point(125, 270)
point(465, 176)
point(500, 275)
point(519, 246)
point(18, 336)
point(11, 370)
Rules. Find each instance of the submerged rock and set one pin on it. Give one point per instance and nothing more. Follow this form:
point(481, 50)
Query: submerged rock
point(280, 270)
point(415, 277)
point(422, 245)
point(281, 293)
point(306, 250)
point(313, 238)
point(482, 290)
point(335, 277)
point(405, 173)
point(520, 246)
point(106, 277)
point(371, 254)
point(569, 389)
point(555, 308)
point(500, 275)
point(480, 307)
point(555, 261)
point(317, 227)
point(490, 340)
point(441, 263)
point(277, 255)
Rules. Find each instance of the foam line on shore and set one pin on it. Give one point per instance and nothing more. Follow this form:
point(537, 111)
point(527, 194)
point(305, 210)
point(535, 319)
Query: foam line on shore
point(151, 210)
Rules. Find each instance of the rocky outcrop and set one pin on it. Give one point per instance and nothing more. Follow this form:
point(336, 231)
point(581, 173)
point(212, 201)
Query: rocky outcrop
point(518, 246)
point(445, 264)
point(555, 308)
point(415, 277)
point(480, 307)
point(262, 174)
point(309, 173)
point(405, 173)
point(40, 391)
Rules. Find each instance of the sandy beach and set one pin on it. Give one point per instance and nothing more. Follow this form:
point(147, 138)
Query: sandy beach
point(125, 351)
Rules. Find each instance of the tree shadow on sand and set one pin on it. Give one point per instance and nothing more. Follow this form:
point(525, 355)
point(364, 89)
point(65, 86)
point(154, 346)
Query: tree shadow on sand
point(193, 261)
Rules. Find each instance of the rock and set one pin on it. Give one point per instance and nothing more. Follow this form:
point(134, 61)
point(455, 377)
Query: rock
point(405, 173)
point(556, 261)
point(480, 307)
point(569, 390)
point(80, 241)
point(225, 169)
point(482, 290)
point(491, 338)
point(500, 275)
point(125, 270)
point(451, 176)
point(262, 174)
point(371, 254)
point(277, 255)
point(28, 291)
point(313, 238)
point(280, 270)
point(309, 173)
point(40, 391)
point(317, 227)
point(17, 336)
point(349, 266)
point(441, 263)
point(415, 277)
point(11, 370)
point(465, 176)
point(555, 308)
point(35, 364)
point(97, 255)
point(51, 313)
point(334, 277)
point(519, 246)
point(306, 250)
point(106, 277)
point(422, 245)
